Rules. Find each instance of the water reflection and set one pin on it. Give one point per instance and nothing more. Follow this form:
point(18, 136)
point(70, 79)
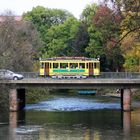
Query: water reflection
point(67, 125)
point(126, 123)
point(89, 125)
point(97, 124)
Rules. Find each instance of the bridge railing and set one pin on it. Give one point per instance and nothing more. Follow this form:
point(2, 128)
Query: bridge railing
point(103, 75)
point(29, 74)
point(119, 75)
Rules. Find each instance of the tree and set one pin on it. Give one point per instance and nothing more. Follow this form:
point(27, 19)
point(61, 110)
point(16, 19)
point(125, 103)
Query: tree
point(19, 42)
point(44, 19)
point(94, 35)
point(131, 51)
point(108, 22)
point(130, 13)
point(81, 40)
point(103, 29)
point(60, 38)
point(88, 14)
point(130, 32)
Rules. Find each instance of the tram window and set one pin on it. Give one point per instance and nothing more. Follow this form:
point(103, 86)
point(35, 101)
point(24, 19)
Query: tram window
point(42, 65)
point(50, 65)
point(73, 65)
point(55, 65)
point(87, 65)
point(63, 65)
point(82, 65)
point(95, 65)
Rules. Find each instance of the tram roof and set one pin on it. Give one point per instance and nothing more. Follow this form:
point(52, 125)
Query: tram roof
point(69, 58)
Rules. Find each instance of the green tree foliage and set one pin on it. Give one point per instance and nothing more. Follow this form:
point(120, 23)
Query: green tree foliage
point(95, 37)
point(44, 19)
point(18, 44)
point(60, 38)
point(88, 14)
point(81, 41)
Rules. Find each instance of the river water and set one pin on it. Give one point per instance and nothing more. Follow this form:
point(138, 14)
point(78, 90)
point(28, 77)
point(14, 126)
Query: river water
point(72, 118)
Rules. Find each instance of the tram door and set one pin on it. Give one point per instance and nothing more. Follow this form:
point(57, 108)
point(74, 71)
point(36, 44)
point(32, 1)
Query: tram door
point(47, 68)
point(90, 68)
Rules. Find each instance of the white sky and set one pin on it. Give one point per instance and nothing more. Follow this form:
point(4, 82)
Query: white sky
point(19, 6)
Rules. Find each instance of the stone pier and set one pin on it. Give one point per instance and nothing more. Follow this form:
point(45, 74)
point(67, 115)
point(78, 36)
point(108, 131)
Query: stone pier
point(16, 99)
point(126, 99)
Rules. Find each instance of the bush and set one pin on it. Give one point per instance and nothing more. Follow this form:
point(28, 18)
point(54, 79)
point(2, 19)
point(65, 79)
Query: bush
point(36, 95)
point(136, 95)
point(4, 98)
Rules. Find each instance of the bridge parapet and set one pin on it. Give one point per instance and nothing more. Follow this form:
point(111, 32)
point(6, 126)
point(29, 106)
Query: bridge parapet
point(120, 75)
point(29, 74)
point(103, 75)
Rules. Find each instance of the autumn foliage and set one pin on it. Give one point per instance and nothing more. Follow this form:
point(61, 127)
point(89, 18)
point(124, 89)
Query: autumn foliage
point(105, 16)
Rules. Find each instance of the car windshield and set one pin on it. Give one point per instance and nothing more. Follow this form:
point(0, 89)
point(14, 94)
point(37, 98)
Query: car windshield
point(10, 72)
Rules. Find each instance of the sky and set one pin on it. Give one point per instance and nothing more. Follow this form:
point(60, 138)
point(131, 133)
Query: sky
point(19, 6)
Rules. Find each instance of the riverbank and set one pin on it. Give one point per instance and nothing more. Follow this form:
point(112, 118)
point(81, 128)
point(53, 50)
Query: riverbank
point(37, 95)
point(114, 95)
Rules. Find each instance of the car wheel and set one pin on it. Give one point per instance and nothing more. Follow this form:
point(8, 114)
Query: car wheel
point(15, 78)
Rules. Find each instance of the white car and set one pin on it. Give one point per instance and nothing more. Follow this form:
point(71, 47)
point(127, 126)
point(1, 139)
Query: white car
point(9, 75)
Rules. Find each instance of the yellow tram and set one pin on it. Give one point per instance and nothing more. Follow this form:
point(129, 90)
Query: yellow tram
point(71, 67)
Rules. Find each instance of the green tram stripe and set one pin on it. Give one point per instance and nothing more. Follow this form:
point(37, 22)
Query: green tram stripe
point(67, 70)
